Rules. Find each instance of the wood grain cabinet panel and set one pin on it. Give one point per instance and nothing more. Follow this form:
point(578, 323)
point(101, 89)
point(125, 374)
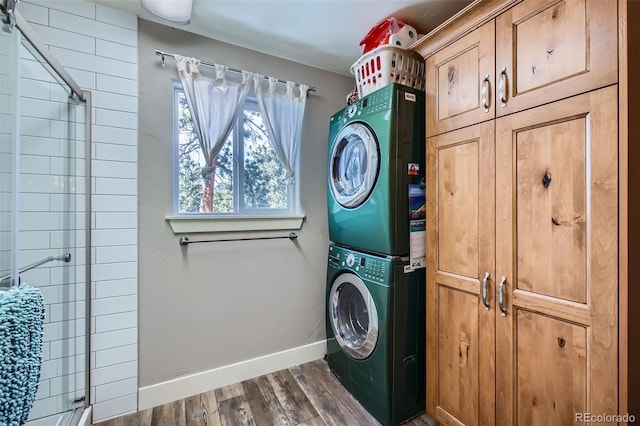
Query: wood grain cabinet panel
point(535, 52)
point(461, 235)
point(458, 353)
point(557, 247)
point(551, 219)
point(458, 82)
point(551, 197)
point(550, 348)
point(549, 50)
point(458, 202)
point(542, 346)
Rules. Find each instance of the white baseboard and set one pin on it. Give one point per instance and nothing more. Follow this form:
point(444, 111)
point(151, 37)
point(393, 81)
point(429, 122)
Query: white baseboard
point(183, 387)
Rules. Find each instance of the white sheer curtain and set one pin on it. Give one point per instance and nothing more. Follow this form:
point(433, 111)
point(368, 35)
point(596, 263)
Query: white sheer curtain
point(214, 105)
point(282, 114)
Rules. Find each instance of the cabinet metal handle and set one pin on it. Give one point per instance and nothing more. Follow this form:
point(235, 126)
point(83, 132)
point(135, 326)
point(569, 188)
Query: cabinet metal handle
point(484, 291)
point(484, 93)
point(503, 311)
point(502, 87)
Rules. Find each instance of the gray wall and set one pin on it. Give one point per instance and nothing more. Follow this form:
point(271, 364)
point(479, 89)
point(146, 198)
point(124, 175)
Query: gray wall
point(220, 303)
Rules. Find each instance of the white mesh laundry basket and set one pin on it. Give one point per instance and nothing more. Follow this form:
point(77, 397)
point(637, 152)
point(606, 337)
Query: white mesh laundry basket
point(385, 65)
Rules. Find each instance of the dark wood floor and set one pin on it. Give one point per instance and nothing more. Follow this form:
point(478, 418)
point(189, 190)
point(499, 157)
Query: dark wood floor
point(307, 394)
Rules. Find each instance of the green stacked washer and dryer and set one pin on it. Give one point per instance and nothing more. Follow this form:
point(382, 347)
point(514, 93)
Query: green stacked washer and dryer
point(375, 300)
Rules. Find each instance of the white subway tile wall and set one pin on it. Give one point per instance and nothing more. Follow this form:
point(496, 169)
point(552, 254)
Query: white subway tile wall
point(125, 404)
point(98, 47)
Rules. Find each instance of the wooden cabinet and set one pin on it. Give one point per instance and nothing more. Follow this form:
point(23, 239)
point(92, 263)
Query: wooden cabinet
point(461, 239)
point(549, 50)
point(532, 53)
point(458, 86)
point(556, 260)
point(530, 206)
point(538, 197)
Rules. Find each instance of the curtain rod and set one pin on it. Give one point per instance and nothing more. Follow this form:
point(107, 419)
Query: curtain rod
point(163, 54)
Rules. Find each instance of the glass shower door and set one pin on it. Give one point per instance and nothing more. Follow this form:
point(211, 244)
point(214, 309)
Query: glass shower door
point(42, 217)
point(8, 160)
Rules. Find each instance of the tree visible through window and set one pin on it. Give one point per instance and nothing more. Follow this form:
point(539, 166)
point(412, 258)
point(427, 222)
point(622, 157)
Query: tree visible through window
point(248, 177)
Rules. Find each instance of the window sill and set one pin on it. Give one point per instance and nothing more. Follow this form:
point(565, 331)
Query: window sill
point(192, 224)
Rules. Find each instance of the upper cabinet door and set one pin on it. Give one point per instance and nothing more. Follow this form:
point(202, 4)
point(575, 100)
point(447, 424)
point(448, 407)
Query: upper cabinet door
point(552, 49)
point(460, 82)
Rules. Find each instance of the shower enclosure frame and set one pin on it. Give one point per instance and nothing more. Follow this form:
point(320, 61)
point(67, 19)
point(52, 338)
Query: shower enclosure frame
point(16, 20)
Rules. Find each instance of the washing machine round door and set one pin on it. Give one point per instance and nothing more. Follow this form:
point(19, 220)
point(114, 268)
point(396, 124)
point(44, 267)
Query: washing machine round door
point(354, 317)
point(354, 165)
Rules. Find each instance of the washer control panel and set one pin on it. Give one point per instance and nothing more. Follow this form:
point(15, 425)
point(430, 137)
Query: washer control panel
point(351, 260)
point(367, 266)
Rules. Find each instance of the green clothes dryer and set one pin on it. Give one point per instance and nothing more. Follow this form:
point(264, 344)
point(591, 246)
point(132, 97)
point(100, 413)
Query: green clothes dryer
point(376, 332)
point(376, 149)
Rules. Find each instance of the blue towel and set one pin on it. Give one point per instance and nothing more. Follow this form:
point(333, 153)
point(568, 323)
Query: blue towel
point(22, 313)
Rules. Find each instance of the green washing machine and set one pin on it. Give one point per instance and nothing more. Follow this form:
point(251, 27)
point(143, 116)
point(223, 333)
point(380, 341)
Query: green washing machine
point(376, 149)
point(376, 332)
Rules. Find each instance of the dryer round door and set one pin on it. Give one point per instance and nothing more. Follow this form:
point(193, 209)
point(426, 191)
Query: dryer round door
point(354, 165)
point(354, 317)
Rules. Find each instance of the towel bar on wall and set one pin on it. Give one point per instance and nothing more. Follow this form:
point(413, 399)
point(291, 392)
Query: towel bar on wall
point(64, 258)
point(184, 241)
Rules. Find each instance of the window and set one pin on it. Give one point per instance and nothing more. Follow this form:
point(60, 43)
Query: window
point(248, 177)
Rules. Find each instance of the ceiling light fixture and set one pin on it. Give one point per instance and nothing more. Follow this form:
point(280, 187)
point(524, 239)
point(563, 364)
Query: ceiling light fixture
point(176, 11)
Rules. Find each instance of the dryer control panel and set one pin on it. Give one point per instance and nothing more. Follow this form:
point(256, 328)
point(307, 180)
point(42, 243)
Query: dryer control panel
point(375, 102)
point(380, 100)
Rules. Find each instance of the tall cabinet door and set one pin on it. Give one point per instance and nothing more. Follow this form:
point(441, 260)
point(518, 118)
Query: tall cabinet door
point(461, 241)
point(551, 49)
point(459, 82)
point(556, 261)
